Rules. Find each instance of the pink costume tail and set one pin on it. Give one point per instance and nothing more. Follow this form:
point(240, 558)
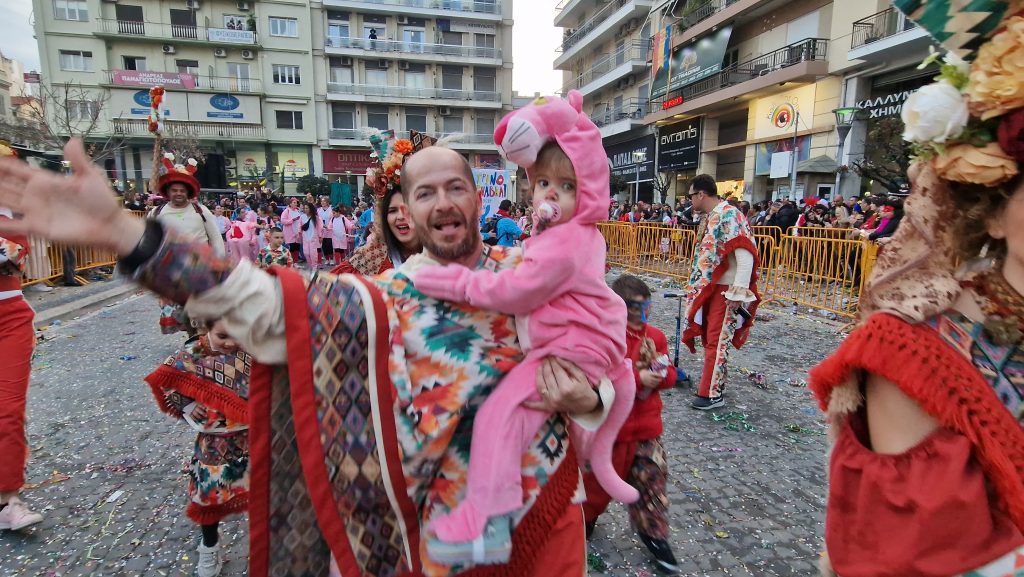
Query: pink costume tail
point(604, 439)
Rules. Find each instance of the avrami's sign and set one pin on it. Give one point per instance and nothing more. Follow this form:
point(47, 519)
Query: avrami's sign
point(888, 105)
point(679, 146)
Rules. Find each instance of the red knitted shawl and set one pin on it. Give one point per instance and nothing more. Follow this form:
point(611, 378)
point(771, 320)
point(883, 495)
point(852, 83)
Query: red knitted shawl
point(944, 383)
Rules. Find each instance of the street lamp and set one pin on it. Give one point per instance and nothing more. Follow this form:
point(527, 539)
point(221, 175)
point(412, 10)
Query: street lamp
point(844, 123)
point(639, 157)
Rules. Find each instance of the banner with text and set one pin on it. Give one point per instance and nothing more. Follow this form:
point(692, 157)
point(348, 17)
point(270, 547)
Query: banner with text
point(694, 62)
point(493, 186)
point(679, 146)
point(171, 80)
point(660, 58)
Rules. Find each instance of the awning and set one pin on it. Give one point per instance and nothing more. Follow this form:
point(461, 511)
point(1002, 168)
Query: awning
point(818, 164)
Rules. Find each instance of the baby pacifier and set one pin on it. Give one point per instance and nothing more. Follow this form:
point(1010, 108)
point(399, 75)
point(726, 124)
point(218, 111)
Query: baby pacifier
point(549, 212)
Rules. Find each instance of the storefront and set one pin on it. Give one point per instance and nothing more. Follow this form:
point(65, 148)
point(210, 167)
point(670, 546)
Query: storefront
point(632, 166)
point(679, 151)
point(346, 170)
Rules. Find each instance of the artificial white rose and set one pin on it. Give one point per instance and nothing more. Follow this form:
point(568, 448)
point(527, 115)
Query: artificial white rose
point(935, 113)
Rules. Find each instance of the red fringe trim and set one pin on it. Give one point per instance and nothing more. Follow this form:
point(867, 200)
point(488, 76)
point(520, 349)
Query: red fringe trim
point(946, 385)
point(259, 469)
point(205, 392)
point(210, 514)
point(693, 330)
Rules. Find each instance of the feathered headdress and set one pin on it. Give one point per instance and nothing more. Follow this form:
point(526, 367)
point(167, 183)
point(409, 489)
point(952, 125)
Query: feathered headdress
point(390, 155)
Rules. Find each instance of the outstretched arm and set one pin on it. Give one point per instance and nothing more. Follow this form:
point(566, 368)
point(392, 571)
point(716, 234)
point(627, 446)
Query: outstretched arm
point(514, 291)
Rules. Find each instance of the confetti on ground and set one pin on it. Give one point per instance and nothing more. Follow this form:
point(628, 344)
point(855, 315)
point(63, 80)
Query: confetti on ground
point(722, 534)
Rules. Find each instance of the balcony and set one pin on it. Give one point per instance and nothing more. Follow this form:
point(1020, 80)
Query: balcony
point(191, 82)
point(174, 33)
point(417, 51)
point(357, 137)
point(615, 118)
point(618, 17)
point(129, 127)
point(567, 10)
point(412, 95)
point(706, 16)
point(885, 35)
point(803, 61)
point(473, 9)
point(631, 59)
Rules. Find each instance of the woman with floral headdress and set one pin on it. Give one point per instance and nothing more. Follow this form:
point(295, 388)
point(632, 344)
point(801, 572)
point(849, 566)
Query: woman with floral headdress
point(925, 397)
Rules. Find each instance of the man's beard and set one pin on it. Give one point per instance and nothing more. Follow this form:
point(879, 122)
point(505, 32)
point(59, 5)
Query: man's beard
point(469, 244)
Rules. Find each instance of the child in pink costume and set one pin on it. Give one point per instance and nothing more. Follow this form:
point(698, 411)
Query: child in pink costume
point(241, 237)
point(562, 305)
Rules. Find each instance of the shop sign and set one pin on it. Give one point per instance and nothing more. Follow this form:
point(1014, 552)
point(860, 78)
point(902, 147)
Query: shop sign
point(672, 102)
point(778, 115)
point(229, 36)
point(694, 62)
point(883, 106)
point(679, 146)
point(621, 158)
point(337, 161)
point(171, 80)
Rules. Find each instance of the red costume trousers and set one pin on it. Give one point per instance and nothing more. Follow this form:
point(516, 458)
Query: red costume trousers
point(17, 338)
point(717, 329)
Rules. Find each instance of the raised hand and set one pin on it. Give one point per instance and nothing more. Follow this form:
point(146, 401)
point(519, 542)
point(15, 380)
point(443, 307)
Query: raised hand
point(77, 209)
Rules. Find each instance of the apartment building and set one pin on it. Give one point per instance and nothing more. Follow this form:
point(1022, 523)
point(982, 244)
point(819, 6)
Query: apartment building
point(749, 90)
point(441, 67)
point(238, 75)
point(604, 54)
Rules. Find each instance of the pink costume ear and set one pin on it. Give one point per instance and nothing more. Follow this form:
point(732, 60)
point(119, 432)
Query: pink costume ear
point(575, 100)
point(521, 141)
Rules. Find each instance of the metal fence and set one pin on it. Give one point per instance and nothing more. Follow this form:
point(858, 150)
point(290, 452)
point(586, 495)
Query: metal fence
point(818, 269)
point(46, 261)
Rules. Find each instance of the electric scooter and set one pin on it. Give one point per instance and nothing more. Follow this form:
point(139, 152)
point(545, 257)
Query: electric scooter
point(682, 380)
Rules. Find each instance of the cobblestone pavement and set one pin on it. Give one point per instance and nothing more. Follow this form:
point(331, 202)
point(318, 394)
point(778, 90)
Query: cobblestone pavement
point(747, 491)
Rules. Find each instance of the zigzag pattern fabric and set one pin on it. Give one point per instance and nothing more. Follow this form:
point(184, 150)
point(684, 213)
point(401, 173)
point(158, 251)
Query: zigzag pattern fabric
point(961, 26)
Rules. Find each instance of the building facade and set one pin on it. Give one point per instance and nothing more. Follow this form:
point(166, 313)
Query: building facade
point(443, 68)
point(238, 76)
point(746, 90)
point(604, 55)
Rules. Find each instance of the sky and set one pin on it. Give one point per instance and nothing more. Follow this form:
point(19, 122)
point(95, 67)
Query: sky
point(534, 39)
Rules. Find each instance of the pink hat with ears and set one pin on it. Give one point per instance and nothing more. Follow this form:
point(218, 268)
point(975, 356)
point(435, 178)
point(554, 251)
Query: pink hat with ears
point(522, 133)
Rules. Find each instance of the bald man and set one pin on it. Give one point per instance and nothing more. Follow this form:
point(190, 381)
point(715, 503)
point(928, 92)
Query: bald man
point(362, 406)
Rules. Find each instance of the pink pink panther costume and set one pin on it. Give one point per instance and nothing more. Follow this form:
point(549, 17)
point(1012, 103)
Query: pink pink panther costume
point(563, 308)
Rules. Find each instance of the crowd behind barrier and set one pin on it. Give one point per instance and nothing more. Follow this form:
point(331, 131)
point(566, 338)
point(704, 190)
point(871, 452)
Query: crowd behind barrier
point(819, 268)
point(46, 259)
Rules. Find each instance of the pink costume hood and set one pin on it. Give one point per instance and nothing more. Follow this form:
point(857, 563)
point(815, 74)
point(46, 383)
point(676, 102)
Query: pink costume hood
point(522, 133)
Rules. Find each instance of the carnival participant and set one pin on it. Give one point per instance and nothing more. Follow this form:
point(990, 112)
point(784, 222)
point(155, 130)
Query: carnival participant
point(275, 254)
point(206, 385)
point(393, 241)
point(185, 214)
point(375, 518)
point(639, 455)
point(341, 233)
point(17, 339)
point(721, 297)
point(563, 301)
point(222, 221)
point(325, 216)
point(291, 224)
point(310, 227)
point(242, 241)
point(926, 473)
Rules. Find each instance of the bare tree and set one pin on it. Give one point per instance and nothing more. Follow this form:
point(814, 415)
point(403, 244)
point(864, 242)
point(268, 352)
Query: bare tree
point(887, 160)
point(662, 182)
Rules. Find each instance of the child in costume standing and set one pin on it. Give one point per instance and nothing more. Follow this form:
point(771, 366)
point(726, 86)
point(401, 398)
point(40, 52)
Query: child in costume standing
point(310, 230)
point(275, 254)
point(559, 296)
point(206, 384)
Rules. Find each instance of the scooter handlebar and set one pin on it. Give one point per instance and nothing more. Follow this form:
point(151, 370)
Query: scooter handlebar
point(673, 296)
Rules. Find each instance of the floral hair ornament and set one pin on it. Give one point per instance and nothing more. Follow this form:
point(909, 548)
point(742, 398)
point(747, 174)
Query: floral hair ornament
point(970, 122)
point(390, 154)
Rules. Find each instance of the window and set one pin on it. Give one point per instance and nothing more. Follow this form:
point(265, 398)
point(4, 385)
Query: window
point(484, 79)
point(341, 74)
point(343, 116)
point(451, 38)
point(483, 40)
point(484, 124)
point(71, 10)
point(76, 60)
point(416, 118)
point(286, 74)
point(336, 31)
point(133, 62)
point(129, 19)
point(377, 117)
point(416, 75)
point(451, 77)
point(187, 67)
point(452, 124)
point(284, 27)
point(291, 119)
point(82, 109)
point(376, 76)
point(238, 72)
point(183, 24)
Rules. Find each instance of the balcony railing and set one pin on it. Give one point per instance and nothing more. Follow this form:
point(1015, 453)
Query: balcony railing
point(166, 31)
point(573, 37)
point(877, 26)
point(636, 51)
point(199, 82)
point(803, 51)
point(411, 92)
point(701, 12)
point(460, 138)
point(477, 6)
point(610, 113)
point(184, 129)
point(378, 46)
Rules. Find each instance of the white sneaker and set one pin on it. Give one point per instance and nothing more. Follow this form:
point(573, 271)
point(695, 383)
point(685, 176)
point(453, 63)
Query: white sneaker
point(39, 288)
point(16, 516)
point(209, 561)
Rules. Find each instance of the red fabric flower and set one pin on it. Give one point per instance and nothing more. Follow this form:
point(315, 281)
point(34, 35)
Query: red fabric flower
point(1011, 134)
